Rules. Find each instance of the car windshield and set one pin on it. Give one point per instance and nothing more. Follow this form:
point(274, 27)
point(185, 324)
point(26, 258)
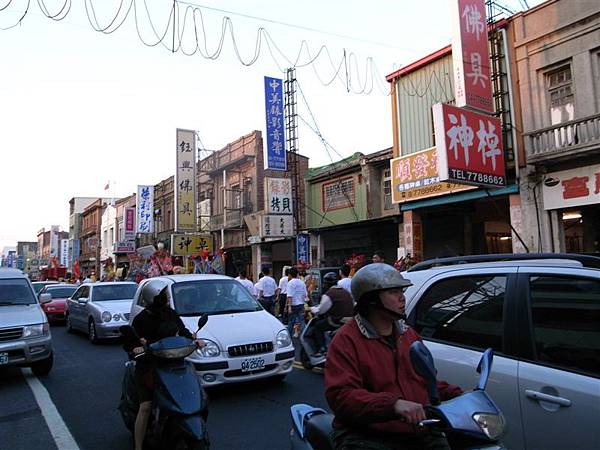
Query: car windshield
point(15, 292)
point(61, 292)
point(192, 298)
point(113, 292)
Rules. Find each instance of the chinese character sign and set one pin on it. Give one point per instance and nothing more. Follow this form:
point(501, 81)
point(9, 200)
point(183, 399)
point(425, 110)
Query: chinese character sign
point(185, 181)
point(574, 187)
point(145, 209)
point(302, 248)
point(279, 196)
point(470, 55)
point(129, 224)
point(469, 146)
point(275, 154)
point(276, 226)
point(416, 176)
point(64, 252)
point(75, 250)
point(190, 244)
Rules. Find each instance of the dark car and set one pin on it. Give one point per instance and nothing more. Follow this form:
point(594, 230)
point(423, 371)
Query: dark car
point(55, 309)
point(314, 282)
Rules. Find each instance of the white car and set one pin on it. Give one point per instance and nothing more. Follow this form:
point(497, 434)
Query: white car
point(244, 342)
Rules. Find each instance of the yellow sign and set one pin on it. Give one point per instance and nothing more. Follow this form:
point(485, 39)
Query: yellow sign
point(185, 181)
point(415, 176)
point(190, 244)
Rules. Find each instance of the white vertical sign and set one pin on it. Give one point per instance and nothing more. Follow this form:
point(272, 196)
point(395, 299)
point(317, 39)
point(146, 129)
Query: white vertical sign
point(64, 252)
point(145, 209)
point(279, 196)
point(54, 240)
point(185, 181)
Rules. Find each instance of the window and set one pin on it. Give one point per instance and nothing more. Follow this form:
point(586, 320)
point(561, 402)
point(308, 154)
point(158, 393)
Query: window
point(566, 322)
point(560, 94)
point(466, 311)
point(338, 194)
point(235, 198)
point(387, 189)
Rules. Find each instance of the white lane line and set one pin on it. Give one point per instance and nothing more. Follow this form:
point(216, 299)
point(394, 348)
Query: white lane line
point(61, 434)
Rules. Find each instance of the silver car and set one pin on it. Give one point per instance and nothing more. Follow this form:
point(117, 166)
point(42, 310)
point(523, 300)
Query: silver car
point(541, 315)
point(99, 309)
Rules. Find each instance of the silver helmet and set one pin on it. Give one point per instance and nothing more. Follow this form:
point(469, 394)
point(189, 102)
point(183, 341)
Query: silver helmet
point(375, 277)
point(151, 290)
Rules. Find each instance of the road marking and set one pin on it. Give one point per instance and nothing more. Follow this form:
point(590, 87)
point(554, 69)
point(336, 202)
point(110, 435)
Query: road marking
point(61, 434)
point(299, 365)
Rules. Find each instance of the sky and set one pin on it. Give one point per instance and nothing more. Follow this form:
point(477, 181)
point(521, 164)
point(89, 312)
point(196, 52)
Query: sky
point(80, 109)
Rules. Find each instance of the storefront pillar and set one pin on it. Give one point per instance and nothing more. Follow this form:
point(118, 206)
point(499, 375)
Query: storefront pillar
point(516, 219)
point(413, 234)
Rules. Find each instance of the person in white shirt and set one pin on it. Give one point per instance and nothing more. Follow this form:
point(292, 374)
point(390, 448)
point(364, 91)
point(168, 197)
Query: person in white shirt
point(255, 290)
point(345, 280)
point(266, 290)
point(245, 281)
point(281, 294)
point(296, 296)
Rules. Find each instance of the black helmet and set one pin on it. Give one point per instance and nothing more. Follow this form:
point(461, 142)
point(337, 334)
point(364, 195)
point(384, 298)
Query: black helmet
point(151, 290)
point(330, 277)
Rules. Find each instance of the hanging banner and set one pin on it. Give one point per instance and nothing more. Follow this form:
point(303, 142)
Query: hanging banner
point(190, 244)
point(469, 147)
point(276, 226)
point(75, 251)
point(54, 240)
point(129, 224)
point(275, 154)
point(470, 55)
point(185, 181)
point(145, 209)
point(573, 187)
point(303, 248)
point(64, 252)
point(278, 196)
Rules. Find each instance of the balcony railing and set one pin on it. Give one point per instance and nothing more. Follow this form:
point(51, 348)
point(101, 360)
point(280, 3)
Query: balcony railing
point(563, 140)
point(233, 219)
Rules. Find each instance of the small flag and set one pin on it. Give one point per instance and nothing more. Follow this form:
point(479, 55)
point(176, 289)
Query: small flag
point(107, 186)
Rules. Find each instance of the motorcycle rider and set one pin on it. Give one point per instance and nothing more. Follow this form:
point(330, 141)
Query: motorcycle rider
point(370, 384)
point(157, 321)
point(335, 307)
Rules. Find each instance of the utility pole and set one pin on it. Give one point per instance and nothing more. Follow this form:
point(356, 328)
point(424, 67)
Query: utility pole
point(291, 136)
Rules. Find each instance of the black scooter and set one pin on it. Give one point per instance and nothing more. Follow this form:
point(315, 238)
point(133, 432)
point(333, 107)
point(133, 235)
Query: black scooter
point(179, 406)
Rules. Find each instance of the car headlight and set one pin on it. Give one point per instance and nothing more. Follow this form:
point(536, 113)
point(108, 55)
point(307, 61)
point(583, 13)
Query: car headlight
point(106, 316)
point(36, 330)
point(491, 424)
point(283, 339)
point(210, 350)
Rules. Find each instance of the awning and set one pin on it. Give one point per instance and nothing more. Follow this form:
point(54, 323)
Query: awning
point(461, 197)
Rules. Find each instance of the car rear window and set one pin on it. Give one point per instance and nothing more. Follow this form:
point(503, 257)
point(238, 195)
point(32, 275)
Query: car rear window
point(113, 292)
point(16, 292)
point(61, 292)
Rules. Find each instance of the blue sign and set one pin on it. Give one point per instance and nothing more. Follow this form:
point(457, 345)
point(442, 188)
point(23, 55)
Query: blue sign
point(75, 250)
point(302, 248)
point(275, 154)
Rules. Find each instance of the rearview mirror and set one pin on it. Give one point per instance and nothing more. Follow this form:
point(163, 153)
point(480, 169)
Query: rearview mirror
point(45, 298)
point(484, 368)
point(202, 320)
point(82, 300)
point(422, 361)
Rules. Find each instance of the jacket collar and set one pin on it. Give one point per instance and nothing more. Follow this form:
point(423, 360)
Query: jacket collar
point(368, 330)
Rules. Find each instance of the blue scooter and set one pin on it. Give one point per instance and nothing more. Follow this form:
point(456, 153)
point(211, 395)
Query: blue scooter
point(179, 406)
point(470, 421)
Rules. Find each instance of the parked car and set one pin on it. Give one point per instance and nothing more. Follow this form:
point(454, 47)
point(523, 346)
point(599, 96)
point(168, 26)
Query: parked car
point(24, 331)
point(244, 342)
point(99, 309)
point(55, 308)
point(39, 285)
point(541, 315)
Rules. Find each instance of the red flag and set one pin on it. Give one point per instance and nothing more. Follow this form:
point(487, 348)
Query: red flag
point(76, 270)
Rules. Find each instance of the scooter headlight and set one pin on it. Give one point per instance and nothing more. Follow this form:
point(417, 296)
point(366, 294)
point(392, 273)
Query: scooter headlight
point(210, 350)
point(491, 424)
point(283, 339)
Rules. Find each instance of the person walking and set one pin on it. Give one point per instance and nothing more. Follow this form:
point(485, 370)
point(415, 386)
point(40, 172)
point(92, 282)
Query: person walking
point(281, 294)
point(296, 296)
point(345, 279)
point(266, 290)
point(245, 281)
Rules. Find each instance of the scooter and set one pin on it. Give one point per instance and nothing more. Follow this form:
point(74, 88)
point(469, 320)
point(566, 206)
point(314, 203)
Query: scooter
point(179, 406)
point(307, 349)
point(470, 421)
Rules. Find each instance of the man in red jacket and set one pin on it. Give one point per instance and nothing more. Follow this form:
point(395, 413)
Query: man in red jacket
point(370, 384)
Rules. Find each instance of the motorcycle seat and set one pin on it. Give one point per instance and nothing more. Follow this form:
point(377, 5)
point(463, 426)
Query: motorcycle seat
point(318, 431)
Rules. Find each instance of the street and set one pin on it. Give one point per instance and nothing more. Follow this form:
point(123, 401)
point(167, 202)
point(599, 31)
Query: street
point(85, 385)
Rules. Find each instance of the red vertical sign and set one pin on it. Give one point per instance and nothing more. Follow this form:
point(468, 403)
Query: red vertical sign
point(129, 234)
point(470, 55)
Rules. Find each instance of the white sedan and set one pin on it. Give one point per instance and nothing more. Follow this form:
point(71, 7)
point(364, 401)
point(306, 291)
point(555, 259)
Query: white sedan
point(243, 341)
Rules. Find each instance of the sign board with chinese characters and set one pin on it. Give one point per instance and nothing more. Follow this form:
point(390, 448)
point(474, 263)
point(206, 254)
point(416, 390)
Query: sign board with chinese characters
point(303, 248)
point(469, 147)
point(75, 250)
point(470, 55)
point(190, 244)
point(575, 187)
point(145, 209)
point(185, 181)
point(129, 224)
point(416, 176)
point(275, 155)
point(204, 217)
point(64, 252)
point(124, 247)
point(276, 226)
point(278, 196)
point(54, 240)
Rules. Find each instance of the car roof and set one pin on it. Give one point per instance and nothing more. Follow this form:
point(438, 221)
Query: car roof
point(11, 273)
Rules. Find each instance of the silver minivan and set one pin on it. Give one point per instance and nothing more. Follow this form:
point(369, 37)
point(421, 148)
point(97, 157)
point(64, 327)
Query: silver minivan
point(24, 331)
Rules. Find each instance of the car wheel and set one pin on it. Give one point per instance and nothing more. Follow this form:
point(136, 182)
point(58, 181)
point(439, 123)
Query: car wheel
point(42, 368)
point(305, 360)
point(92, 336)
point(69, 324)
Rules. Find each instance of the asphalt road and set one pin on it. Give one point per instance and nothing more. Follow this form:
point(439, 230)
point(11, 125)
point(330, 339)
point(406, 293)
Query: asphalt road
point(85, 385)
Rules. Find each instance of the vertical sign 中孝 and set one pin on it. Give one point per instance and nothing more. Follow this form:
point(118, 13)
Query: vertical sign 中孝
point(64, 252)
point(469, 147)
point(275, 154)
point(470, 55)
point(185, 181)
point(302, 248)
point(279, 196)
point(145, 209)
point(129, 224)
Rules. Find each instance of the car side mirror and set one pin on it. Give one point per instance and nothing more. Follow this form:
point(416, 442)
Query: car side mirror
point(82, 300)
point(45, 298)
point(422, 362)
point(484, 368)
point(202, 320)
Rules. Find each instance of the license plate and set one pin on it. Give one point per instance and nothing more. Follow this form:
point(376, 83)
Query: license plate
point(3, 358)
point(252, 364)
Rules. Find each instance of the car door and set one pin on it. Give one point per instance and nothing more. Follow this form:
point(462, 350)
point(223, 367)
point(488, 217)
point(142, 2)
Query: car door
point(459, 314)
point(559, 380)
point(79, 319)
point(73, 305)
point(138, 303)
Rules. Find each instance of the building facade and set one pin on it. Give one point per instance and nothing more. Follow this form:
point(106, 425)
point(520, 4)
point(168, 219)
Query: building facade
point(76, 207)
point(91, 221)
point(108, 233)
